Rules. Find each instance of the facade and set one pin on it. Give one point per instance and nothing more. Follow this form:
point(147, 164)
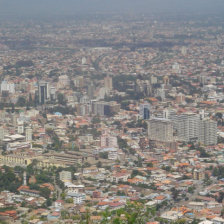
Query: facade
point(29, 134)
point(160, 130)
point(108, 141)
point(102, 108)
point(65, 176)
point(15, 160)
point(187, 126)
point(199, 175)
point(208, 132)
point(190, 127)
point(7, 87)
point(108, 83)
point(144, 111)
point(43, 92)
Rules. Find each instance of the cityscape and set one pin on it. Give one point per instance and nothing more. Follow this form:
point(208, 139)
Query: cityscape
point(112, 119)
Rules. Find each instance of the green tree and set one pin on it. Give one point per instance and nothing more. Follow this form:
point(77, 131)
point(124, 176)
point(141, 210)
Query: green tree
point(61, 99)
point(21, 102)
point(45, 192)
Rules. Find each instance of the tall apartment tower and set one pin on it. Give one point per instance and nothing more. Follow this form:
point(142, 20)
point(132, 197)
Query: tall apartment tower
point(144, 111)
point(208, 132)
point(108, 83)
point(43, 92)
point(160, 129)
point(187, 126)
point(29, 134)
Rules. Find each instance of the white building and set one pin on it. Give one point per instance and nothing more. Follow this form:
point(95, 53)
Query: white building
point(187, 126)
point(29, 134)
point(77, 197)
point(208, 132)
point(9, 87)
point(160, 129)
point(65, 176)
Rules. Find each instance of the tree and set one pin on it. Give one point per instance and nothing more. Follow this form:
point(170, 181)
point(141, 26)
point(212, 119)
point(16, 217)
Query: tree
point(122, 143)
point(99, 164)
point(61, 99)
point(103, 155)
point(21, 102)
point(45, 192)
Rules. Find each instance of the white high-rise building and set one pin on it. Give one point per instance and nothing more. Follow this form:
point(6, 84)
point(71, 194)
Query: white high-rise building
point(187, 126)
point(108, 83)
point(208, 132)
point(160, 129)
point(29, 134)
point(194, 127)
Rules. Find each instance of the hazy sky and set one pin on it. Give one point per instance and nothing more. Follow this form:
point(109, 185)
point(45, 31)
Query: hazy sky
point(20, 7)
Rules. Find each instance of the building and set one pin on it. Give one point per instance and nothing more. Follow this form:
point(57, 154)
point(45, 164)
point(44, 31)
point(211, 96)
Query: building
point(160, 129)
point(108, 141)
point(65, 176)
point(144, 111)
point(190, 127)
point(108, 83)
point(208, 132)
point(7, 87)
point(198, 175)
point(102, 108)
point(15, 160)
point(43, 92)
point(91, 91)
point(29, 134)
point(187, 126)
point(2, 133)
point(78, 198)
point(169, 113)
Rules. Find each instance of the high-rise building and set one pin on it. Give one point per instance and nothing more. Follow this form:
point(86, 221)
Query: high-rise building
point(29, 134)
point(108, 83)
point(208, 132)
point(91, 91)
point(187, 126)
point(108, 141)
point(169, 113)
point(144, 111)
point(102, 108)
point(160, 129)
point(43, 92)
point(190, 127)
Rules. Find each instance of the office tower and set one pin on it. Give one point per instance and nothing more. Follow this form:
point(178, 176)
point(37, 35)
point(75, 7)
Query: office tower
point(29, 133)
point(187, 126)
point(144, 111)
point(108, 83)
point(43, 92)
point(208, 132)
point(160, 130)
